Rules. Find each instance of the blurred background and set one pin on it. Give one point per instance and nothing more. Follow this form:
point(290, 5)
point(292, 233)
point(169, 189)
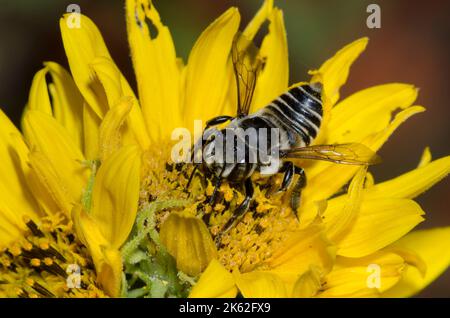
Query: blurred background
point(412, 46)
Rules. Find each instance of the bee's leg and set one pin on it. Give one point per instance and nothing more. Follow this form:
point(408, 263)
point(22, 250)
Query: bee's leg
point(289, 170)
point(239, 212)
point(297, 190)
point(190, 178)
point(195, 167)
point(216, 187)
point(217, 121)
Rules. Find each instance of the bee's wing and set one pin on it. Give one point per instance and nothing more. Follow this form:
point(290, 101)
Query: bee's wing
point(246, 63)
point(351, 154)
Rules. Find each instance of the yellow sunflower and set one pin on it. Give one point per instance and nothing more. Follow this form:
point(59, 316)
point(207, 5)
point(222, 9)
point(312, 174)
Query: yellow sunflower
point(91, 204)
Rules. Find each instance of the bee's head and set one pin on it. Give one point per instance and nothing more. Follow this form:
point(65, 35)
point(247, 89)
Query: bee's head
point(214, 151)
point(209, 145)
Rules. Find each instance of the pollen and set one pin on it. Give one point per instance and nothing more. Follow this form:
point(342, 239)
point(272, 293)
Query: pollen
point(40, 264)
point(245, 247)
point(35, 262)
point(261, 231)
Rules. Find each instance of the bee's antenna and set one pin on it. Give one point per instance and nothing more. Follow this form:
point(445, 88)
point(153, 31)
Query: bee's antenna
point(213, 196)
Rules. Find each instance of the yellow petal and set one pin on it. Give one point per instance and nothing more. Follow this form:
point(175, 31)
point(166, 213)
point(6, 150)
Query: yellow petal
point(110, 274)
point(82, 45)
point(78, 215)
point(380, 222)
point(109, 77)
point(215, 282)
point(377, 272)
point(41, 192)
point(45, 202)
point(116, 87)
point(188, 240)
point(410, 257)
point(38, 98)
point(260, 17)
point(10, 231)
point(308, 284)
point(88, 231)
point(299, 252)
point(44, 134)
point(109, 134)
point(208, 71)
point(273, 79)
point(346, 217)
point(334, 72)
point(49, 184)
point(353, 119)
point(107, 260)
point(426, 158)
point(332, 177)
point(91, 124)
point(260, 285)
point(157, 72)
point(67, 102)
point(97, 77)
point(16, 199)
point(115, 195)
point(432, 247)
point(413, 183)
point(370, 180)
point(380, 138)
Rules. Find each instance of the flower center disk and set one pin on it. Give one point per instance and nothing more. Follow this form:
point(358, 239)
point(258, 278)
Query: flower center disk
point(48, 262)
point(266, 225)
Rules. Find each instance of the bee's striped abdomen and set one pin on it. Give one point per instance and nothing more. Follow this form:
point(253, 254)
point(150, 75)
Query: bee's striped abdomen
point(299, 112)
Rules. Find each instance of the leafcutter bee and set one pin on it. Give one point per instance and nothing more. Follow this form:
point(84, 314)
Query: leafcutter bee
point(295, 115)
